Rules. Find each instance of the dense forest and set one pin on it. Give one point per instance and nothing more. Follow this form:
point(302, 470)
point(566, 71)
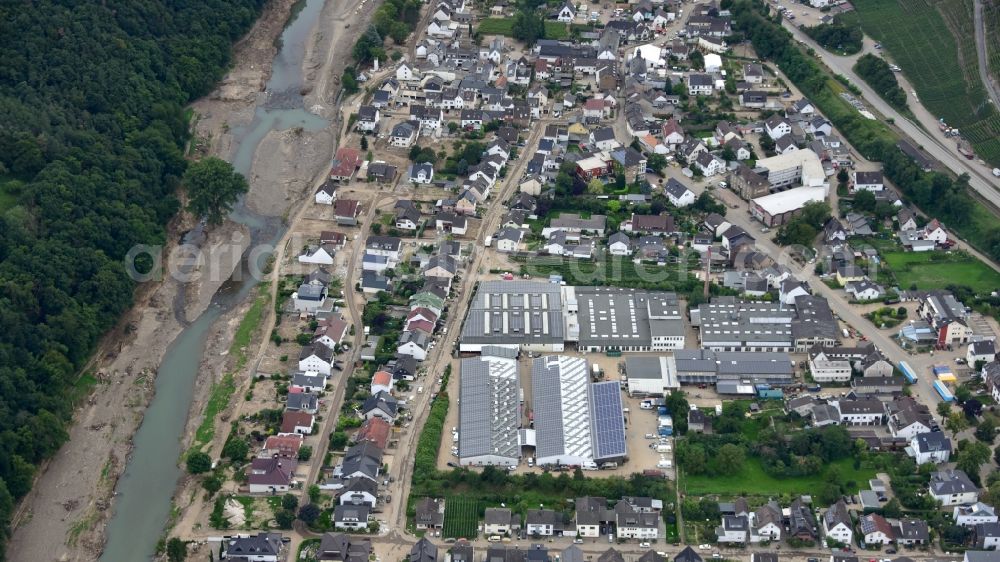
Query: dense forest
point(92, 131)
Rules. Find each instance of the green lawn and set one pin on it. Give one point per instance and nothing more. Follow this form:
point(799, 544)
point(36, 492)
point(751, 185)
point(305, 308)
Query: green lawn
point(934, 270)
point(752, 480)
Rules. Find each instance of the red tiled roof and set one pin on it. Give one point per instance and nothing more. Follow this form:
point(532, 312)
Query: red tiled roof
point(345, 163)
point(383, 378)
point(345, 208)
point(422, 325)
point(285, 446)
point(375, 430)
point(291, 420)
point(329, 236)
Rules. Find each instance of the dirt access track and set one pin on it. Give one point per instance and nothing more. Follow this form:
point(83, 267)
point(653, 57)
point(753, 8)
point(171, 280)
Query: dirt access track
point(65, 516)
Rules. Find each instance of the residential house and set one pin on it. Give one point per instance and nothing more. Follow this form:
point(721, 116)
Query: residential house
point(262, 547)
point(346, 211)
point(497, 521)
point(382, 405)
point(282, 446)
point(349, 517)
point(543, 523)
point(631, 523)
point(953, 487)
point(932, 447)
point(318, 358)
point(341, 547)
point(297, 422)
point(910, 532)
point(404, 134)
point(423, 551)
point(592, 516)
point(735, 529)
point(876, 530)
point(429, 513)
point(318, 255)
point(302, 402)
point(308, 381)
point(864, 290)
point(422, 173)
point(326, 194)
point(974, 514)
point(984, 350)
point(766, 523)
point(271, 475)
point(363, 460)
point(837, 524)
point(868, 181)
point(359, 491)
point(345, 163)
point(368, 118)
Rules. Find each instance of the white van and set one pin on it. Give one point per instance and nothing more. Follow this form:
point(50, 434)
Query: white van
point(589, 465)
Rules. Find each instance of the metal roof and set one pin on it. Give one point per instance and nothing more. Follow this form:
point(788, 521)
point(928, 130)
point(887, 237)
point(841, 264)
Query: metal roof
point(514, 312)
point(561, 405)
point(489, 415)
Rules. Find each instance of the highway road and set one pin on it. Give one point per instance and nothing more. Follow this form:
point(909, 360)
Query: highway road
point(928, 137)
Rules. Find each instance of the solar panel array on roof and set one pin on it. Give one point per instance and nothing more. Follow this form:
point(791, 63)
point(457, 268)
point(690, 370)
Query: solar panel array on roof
point(562, 409)
point(607, 421)
point(489, 413)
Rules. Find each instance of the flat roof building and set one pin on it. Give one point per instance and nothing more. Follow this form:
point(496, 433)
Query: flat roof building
point(726, 324)
point(654, 376)
point(600, 319)
point(576, 423)
point(777, 208)
point(515, 314)
point(793, 169)
point(705, 366)
point(489, 410)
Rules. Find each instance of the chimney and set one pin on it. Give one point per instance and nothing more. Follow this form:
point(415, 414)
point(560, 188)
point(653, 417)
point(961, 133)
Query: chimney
point(708, 272)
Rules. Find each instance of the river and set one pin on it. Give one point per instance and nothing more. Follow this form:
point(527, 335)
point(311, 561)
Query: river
point(142, 505)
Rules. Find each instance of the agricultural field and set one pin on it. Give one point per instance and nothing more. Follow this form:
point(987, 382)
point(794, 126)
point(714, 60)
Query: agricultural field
point(933, 41)
point(461, 517)
point(936, 270)
point(991, 17)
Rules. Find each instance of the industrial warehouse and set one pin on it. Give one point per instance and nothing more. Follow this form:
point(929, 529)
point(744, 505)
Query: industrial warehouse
point(544, 317)
point(577, 422)
point(488, 411)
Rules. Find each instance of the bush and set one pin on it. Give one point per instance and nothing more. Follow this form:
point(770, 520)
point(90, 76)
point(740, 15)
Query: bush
point(289, 501)
point(198, 462)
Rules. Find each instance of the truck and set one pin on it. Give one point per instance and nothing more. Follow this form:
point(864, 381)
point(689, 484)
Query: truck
point(943, 391)
point(662, 411)
point(911, 376)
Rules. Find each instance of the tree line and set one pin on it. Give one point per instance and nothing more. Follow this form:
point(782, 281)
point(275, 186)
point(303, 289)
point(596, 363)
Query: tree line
point(877, 73)
point(92, 131)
